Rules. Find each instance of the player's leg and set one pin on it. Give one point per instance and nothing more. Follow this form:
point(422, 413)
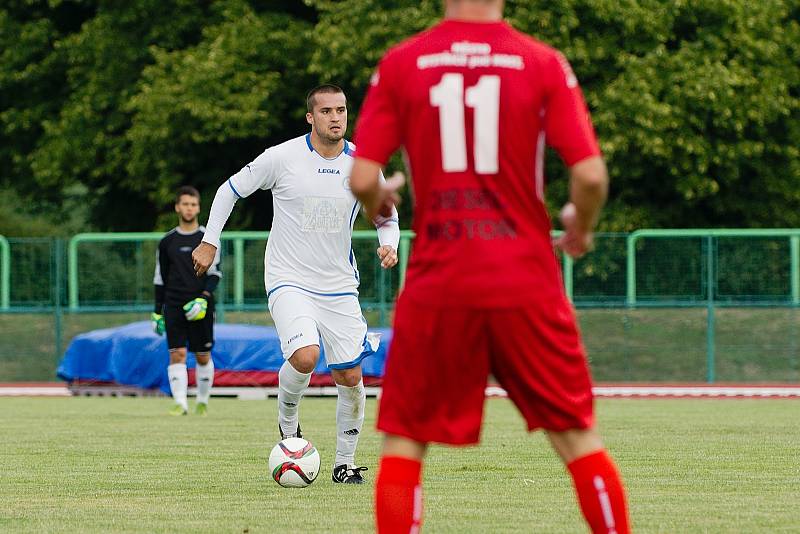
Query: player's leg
point(350, 405)
point(204, 378)
point(398, 488)
point(293, 379)
point(178, 380)
point(176, 330)
point(343, 330)
point(597, 481)
point(293, 314)
point(539, 360)
point(433, 391)
point(201, 340)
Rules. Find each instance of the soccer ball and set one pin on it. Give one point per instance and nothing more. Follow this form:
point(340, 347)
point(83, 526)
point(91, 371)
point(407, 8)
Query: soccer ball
point(294, 463)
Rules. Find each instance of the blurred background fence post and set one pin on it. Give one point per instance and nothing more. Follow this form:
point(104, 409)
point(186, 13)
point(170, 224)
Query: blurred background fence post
point(5, 273)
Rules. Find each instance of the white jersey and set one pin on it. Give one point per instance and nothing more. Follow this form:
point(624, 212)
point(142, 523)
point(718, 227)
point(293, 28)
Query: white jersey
point(309, 246)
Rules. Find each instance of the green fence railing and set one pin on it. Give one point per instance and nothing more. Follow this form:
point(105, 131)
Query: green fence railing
point(710, 235)
point(655, 305)
point(72, 255)
point(242, 289)
point(709, 240)
point(5, 273)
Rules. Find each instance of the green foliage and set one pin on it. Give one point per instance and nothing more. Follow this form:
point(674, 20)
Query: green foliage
point(242, 85)
point(20, 218)
point(18, 223)
point(697, 104)
point(711, 136)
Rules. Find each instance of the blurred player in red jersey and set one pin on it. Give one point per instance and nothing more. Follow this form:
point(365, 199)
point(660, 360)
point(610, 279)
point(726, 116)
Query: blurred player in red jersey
point(473, 103)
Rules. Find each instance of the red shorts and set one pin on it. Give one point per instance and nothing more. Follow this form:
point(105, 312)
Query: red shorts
point(440, 359)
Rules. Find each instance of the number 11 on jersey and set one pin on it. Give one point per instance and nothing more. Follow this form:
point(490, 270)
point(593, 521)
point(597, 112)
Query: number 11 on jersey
point(484, 97)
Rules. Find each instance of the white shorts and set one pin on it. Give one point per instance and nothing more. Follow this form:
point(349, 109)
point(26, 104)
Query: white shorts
point(302, 319)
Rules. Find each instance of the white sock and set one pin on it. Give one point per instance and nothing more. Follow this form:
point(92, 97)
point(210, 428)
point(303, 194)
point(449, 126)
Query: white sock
point(178, 382)
point(204, 376)
point(291, 385)
point(349, 420)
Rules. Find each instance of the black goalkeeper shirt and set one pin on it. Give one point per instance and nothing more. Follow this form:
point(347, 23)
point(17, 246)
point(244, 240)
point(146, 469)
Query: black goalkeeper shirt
point(175, 280)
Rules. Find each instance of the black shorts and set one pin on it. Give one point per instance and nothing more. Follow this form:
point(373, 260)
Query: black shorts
point(199, 334)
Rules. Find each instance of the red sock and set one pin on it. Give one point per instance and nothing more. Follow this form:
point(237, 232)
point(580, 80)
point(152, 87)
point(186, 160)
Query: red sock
point(600, 493)
point(398, 496)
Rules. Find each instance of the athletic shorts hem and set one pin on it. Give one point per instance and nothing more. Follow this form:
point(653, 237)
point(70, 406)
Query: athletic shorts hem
point(579, 425)
point(426, 437)
point(354, 363)
point(287, 354)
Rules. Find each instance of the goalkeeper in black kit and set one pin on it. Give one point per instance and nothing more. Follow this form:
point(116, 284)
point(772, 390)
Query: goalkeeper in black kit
point(185, 304)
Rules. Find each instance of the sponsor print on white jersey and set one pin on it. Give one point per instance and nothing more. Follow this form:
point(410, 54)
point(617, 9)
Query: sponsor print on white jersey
point(309, 246)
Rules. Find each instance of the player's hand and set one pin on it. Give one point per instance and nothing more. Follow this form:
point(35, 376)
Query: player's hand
point(388, 256)
point(157, 320)
point(575, 242)
point(388, 195)
point(195, 310)
point(202, 257)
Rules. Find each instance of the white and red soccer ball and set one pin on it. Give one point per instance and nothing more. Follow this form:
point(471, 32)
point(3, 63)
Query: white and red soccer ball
point(294, 463)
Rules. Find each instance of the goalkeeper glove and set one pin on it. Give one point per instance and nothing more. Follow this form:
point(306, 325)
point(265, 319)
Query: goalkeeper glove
point(157, 320)
point(195, 310)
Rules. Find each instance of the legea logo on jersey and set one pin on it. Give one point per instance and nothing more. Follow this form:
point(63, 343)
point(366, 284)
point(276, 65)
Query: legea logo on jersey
point(185, 249)
point(328, 171)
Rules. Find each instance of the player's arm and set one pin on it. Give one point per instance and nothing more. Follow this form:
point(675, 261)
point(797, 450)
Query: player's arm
point(221, 208)
point(159, 276)
point(388, 235)
point(195, 309)
point(377, 136)
point(213, 276)
point(588, 189)
point(258, 174)
point(568, 129)
point(379, 198)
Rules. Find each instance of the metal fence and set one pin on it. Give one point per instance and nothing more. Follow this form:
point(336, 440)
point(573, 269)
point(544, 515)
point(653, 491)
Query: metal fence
point(654, 305)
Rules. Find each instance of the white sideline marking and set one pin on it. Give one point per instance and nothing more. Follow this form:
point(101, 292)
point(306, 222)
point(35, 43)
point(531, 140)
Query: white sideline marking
point(697, 391)
point(600, 391)
point(261, 393)
point(54, 391)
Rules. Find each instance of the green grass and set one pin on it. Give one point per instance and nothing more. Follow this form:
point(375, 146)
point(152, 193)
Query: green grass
point(123, 465)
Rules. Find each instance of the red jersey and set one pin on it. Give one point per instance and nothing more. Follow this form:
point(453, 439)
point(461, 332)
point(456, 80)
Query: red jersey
point(473, 104)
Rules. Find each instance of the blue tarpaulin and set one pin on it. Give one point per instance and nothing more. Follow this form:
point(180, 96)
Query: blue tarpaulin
point(133, 355)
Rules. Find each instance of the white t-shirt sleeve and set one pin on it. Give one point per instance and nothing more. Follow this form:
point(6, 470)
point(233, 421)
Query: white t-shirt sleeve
point(261, 173)
point(388, 227)
point(221, 209)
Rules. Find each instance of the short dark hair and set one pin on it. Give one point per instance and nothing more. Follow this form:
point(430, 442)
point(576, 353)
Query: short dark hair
point(186, 190)
point(327, 88)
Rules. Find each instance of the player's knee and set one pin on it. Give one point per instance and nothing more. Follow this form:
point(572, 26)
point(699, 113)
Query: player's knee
point(347, 377)
point(203, 357)
point(177, 356)
point(394, 445)
point(304, 359)
point(575, 443)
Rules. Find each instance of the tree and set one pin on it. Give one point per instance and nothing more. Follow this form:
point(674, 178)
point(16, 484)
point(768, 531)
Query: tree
point(202, 112)
point(696, 104)
point(115, 104)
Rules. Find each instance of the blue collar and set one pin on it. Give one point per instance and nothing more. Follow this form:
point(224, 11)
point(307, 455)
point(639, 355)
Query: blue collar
point(347, 151)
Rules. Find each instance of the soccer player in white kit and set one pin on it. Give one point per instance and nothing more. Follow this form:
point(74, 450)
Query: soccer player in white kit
point(311, 276)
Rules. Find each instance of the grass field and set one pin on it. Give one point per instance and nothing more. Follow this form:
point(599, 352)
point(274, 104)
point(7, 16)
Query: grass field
point(122, 465)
